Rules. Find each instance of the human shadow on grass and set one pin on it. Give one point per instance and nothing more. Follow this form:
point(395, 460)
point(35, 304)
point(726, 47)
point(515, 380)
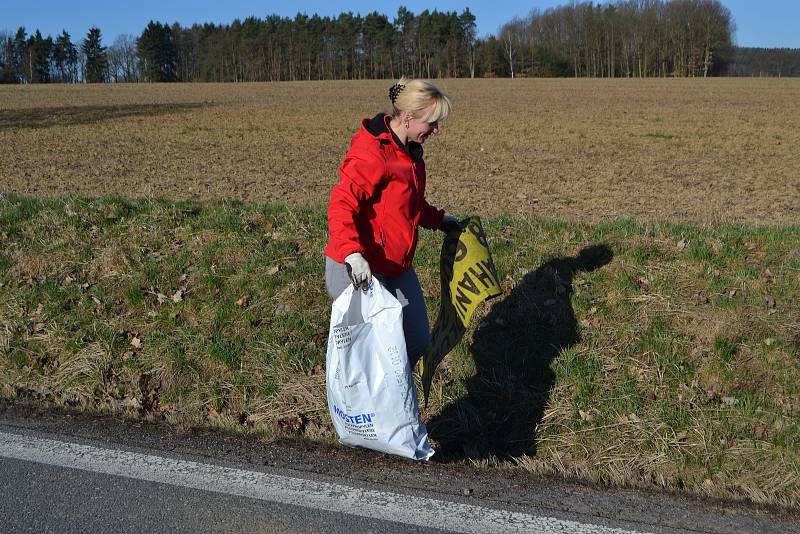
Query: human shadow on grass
point(513, 348)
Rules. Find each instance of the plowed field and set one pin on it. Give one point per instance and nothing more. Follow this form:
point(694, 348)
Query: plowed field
point(707, 151)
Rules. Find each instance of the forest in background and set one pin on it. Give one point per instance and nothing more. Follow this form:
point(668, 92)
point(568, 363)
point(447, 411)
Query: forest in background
point(627, 38)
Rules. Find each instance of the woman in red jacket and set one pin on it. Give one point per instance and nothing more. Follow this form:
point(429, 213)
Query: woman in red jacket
point(379, 203)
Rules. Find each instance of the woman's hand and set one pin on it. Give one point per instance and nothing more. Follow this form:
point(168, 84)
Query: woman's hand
point(451, 224)
point(359, 271)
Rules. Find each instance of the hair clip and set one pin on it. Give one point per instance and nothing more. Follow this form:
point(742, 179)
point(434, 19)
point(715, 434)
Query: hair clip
point(394, 91)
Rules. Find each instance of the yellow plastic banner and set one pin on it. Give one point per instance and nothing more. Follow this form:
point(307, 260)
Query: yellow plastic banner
point(468, 278)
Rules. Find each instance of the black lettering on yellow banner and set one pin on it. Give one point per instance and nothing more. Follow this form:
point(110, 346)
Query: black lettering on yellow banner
point(468, 277)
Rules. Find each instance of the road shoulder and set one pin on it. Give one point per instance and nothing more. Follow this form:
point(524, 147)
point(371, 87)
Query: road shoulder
point(502, 489)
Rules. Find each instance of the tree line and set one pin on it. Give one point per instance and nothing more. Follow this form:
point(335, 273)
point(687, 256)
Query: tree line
point(36, 59)
point(775, 62)
point(626, 38)
point(430, 44)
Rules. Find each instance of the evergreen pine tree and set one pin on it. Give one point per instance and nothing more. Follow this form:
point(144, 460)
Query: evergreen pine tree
point(41, 50)
point(157, 53)
point(95, 53)
point(21, 56)
point(65, 58)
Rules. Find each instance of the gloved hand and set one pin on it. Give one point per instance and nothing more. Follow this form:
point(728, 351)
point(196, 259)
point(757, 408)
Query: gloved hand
point(450, 224)
point(359, 271)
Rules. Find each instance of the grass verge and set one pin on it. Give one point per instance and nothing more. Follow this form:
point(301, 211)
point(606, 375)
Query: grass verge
point(628, 353)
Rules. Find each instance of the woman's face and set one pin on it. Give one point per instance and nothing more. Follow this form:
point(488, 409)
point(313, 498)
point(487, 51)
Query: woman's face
point(419, 129)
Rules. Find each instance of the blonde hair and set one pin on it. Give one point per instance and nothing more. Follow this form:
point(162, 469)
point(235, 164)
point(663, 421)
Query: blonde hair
point(421, 97)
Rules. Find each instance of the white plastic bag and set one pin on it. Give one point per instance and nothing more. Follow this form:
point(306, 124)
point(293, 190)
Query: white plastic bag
point(371, 393)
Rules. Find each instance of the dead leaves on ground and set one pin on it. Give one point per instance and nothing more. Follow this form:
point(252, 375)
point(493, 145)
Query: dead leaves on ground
point(592, 319)
point(294, 424)
point(178, 295)
point(176, 298)
point(643, 284)
point(150, 389)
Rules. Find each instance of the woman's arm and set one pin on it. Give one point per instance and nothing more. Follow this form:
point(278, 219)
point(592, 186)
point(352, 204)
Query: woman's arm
point(431, 217)
point(359, 177)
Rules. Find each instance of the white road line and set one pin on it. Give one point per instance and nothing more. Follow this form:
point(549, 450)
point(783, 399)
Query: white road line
point(338, 498)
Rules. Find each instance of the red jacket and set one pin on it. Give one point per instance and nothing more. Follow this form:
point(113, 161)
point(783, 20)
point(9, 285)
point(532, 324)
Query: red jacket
point(379, 202)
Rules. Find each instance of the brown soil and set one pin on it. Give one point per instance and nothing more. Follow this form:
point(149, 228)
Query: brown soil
point(706, 151)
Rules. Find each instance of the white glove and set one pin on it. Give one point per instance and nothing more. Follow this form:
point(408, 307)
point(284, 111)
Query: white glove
point(359, 271)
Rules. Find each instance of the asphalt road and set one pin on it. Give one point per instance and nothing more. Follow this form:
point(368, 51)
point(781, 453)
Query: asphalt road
point(42, 498)
point(66, 473)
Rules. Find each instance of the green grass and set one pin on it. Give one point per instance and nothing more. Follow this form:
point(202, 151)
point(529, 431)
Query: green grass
point(624, 352)
point(660, 135)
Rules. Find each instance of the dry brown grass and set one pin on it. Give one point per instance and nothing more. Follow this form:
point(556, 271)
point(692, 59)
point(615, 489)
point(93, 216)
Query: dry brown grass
point(600, 360)
point(721, 150)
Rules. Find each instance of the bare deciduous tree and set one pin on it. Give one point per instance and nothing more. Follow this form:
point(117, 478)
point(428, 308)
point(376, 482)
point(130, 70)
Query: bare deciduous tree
point(510, 35)
point(123, 62)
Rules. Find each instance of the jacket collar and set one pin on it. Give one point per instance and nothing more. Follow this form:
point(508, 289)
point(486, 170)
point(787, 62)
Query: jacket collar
point(378, 126)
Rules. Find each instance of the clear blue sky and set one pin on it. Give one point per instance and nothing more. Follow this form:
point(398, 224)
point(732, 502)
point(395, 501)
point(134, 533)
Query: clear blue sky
point(766, 23)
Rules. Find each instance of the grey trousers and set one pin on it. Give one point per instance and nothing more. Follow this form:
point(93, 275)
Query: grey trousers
point(406, 288)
